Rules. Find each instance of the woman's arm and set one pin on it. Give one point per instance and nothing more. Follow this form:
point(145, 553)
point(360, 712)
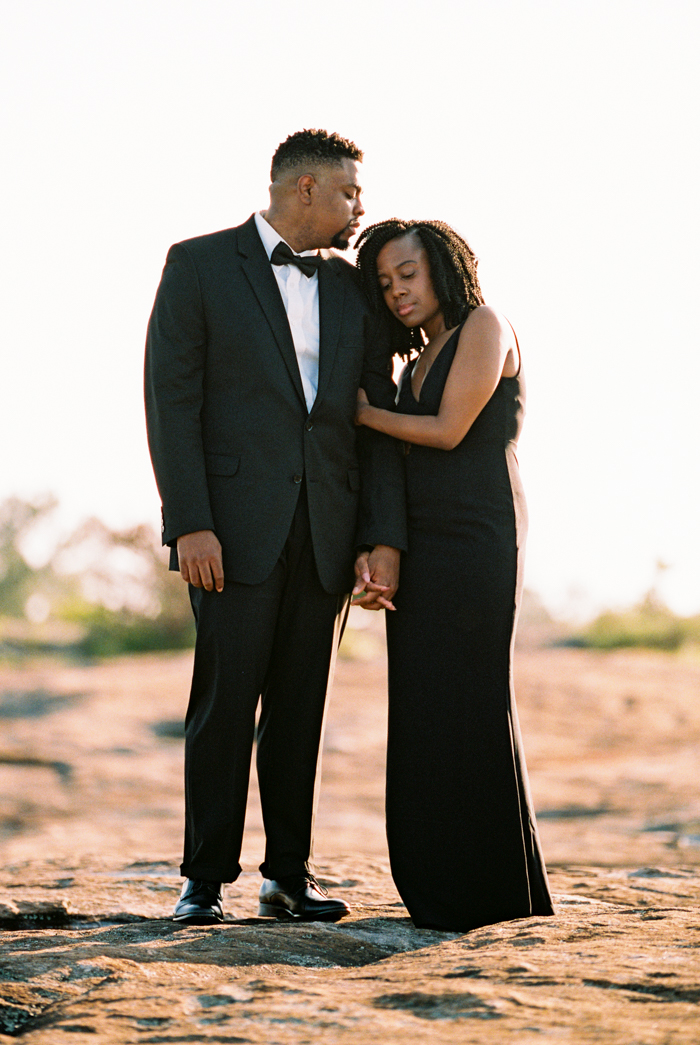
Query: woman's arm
point(484, 344)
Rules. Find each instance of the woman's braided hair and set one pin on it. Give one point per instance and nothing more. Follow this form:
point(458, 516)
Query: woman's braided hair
point(452, 269)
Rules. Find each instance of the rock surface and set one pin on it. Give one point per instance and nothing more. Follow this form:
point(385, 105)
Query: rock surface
point(90, 832)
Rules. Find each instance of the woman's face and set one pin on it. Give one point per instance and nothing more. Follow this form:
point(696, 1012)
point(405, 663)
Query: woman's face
point(404, 278)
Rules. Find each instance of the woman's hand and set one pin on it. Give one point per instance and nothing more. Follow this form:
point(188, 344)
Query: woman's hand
point(362, 403)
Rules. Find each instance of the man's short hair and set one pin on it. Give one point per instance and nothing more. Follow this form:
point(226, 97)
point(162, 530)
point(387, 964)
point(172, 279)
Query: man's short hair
point(312, 148)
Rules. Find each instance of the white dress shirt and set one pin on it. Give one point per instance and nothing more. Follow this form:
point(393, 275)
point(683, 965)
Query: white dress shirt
point(300, 297)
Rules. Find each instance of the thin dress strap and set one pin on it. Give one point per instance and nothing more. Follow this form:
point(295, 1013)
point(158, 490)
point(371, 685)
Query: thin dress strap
point(517, 345)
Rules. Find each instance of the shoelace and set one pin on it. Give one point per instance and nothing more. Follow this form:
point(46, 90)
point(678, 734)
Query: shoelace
point(312, 880)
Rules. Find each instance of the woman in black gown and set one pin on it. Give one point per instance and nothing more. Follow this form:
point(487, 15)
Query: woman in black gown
point(461, 829)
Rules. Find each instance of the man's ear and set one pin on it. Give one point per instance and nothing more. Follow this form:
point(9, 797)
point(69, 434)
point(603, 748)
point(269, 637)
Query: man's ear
point(305, 187)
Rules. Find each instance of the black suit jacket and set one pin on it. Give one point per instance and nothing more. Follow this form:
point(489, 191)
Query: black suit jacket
point(229, 432)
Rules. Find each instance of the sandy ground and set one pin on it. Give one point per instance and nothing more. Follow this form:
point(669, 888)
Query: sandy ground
point(90, 836)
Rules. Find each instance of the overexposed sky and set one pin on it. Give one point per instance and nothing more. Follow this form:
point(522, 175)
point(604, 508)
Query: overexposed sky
point(561, 138)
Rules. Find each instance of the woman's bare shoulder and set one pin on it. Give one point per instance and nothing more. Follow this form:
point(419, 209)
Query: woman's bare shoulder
point(485, 318)
point(488, 337)
point(486, 325)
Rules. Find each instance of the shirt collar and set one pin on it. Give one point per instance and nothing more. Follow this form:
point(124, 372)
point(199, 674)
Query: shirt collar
point(270, 237)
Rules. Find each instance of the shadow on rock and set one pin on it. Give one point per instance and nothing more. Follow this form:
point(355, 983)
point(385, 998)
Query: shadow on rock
point(252, 942)
point(35, 703)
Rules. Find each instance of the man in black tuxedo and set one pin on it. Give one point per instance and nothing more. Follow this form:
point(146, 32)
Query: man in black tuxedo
point(256, 347)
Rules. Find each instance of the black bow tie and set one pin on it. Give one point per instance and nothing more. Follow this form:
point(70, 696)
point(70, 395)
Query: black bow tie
point(284, 255)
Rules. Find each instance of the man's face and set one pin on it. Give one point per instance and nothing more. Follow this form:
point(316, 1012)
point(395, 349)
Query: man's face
point(337, 205)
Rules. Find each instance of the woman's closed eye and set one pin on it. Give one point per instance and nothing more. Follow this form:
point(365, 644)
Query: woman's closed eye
point(387, 286)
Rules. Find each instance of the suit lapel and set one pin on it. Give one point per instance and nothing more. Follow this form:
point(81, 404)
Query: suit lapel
point(258, 271)
point(331, 299)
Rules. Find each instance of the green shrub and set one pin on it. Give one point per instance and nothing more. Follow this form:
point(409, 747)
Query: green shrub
point(108, 633)
point(649, 625)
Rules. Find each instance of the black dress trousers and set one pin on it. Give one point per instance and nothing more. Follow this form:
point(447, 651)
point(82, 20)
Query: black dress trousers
point(276, 641)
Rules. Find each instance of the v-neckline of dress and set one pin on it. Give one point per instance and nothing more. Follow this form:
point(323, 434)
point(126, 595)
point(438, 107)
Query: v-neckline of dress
point(417, 398)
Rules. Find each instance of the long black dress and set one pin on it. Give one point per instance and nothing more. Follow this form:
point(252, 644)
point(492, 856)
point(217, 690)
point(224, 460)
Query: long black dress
point(461, 829)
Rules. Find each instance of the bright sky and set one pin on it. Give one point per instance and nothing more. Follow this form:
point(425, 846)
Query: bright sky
point(561, 138)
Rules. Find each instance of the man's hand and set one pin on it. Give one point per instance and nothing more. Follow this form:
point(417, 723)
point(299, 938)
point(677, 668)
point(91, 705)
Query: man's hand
point(199, 554)
point(377, 578)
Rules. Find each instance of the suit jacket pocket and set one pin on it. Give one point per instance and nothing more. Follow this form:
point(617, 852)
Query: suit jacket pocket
point(221, 464)
point(354, 478)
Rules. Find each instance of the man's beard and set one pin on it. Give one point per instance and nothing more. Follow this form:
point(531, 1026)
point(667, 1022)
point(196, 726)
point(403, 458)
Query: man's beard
point(338, 242)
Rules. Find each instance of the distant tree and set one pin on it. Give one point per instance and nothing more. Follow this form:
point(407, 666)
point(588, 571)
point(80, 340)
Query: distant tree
point(129, 600)
point(113, 584)
point(18, 579)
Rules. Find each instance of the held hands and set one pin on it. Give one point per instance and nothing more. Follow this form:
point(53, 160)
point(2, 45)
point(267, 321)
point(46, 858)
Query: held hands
point(199, 554)
point(377, 578)
point(362, 402)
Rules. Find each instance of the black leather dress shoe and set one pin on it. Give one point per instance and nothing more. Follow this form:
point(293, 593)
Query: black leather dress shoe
point(299, 897)
point(200, 903)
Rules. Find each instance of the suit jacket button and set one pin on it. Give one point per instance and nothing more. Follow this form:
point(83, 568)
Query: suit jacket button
point(308, 426)
point(297, 478)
